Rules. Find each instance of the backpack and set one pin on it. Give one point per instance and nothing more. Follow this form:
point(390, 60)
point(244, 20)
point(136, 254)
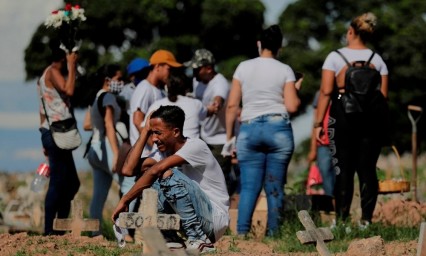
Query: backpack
point(361, 83)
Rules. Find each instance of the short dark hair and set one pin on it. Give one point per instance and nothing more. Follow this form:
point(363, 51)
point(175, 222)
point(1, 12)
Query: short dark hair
point(171, 115)
point(271, 38)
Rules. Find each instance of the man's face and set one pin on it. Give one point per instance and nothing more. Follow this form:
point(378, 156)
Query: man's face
point(201, 74)
point(163, 135)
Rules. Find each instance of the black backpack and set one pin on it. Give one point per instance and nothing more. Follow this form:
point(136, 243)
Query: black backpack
point(361, 84)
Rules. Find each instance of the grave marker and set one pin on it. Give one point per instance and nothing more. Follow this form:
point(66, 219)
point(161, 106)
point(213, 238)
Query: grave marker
point(314, 234)
point(76, 223)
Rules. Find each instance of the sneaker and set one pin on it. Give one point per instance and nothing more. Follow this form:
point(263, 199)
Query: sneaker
point(363, 224)
point(173, 241)
point(200, 245)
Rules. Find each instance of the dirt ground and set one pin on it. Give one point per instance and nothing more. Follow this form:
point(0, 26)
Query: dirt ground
point(68, 245)
point(392, 211)
point(396, 210)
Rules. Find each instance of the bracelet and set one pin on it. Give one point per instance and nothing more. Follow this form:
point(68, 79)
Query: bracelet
point(317, 124)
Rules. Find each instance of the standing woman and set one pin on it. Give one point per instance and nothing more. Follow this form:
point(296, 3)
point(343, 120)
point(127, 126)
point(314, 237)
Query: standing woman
point(355, 138)
point(56, 90)
point(103, 152)
point(265, 143)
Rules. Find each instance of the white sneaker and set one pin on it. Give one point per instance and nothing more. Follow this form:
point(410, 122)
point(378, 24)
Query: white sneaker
point(363, 224)
point(202, 246)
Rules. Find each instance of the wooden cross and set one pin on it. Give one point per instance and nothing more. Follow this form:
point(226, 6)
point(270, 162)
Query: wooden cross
point(156, 245)
point(421, 245)
point(149, 217)
point(314, 234)
point(76, 223)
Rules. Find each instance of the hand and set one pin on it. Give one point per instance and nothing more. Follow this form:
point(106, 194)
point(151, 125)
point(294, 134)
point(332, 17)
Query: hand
point(319, 135)
point(228, 148)
point(213, 108)
point(121, 207)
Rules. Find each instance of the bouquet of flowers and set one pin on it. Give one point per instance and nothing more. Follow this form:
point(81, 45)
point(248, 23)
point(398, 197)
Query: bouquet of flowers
point(67, 22)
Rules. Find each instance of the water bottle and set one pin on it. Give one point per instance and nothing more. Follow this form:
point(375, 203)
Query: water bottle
point(41, 177)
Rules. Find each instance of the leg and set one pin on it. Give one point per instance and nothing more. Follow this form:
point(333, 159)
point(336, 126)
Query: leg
point(102, 181)
point(191, 203)
point(252, 164)
point(61, 188)
point(342, 152)
point(366, 169)
point(326, 169)
point(278, 136)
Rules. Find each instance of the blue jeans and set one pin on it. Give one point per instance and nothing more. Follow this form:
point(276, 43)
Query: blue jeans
point(63, 184)
point(100, 159)
point(326, 169)
point(179, 194)
point(265, 145)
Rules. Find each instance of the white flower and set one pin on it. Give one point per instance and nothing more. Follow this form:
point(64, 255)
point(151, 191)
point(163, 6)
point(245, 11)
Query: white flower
point(77, 14)
point(56, 19)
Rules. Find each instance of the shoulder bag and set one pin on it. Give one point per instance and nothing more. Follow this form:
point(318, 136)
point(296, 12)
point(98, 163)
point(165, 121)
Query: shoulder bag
point(64, 132)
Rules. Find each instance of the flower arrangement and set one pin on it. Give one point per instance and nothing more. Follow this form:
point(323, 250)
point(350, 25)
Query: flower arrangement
point(67, 21)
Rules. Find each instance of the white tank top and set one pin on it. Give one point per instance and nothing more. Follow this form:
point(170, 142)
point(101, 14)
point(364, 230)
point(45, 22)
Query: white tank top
point(56, 104)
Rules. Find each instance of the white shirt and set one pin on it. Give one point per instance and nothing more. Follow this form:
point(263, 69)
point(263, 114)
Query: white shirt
point(194, 110)
point(213, 128)
point(262, 85)
point(144, 95)
point(335, 62)
point(203, 168)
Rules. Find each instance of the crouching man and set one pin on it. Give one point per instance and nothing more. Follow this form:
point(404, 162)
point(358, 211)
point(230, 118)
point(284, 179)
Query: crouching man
point(188, 179)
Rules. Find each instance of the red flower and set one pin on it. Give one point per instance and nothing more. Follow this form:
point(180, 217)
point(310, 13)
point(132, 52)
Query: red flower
point(55, 12)
point(68, 7)
point(76, 6)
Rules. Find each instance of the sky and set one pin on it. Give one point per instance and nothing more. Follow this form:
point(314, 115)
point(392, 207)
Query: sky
point(20, 18)
point(20, 144)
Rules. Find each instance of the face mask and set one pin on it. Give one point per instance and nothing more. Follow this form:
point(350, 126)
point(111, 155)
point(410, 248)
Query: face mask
point(116, 86)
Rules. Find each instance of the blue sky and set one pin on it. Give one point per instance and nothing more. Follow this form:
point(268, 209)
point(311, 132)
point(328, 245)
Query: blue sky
point(20, 146)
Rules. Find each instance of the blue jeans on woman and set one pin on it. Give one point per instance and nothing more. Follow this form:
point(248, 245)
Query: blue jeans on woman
point(265, 145)
point(326, 169)
point(181, 195)
point(63, 183)
point(100, 159)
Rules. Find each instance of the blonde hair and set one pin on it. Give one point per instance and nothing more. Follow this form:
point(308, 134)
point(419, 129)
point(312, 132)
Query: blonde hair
point(364, 25)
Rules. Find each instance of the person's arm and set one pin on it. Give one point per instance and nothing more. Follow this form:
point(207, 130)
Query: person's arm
point(291, 100)
point(232, 108)
point(147, 179)
point(66, 86)
point(110, 134)
point(327, 82)
point(138, 117)
point(134, 156)
point(87, 123)
point(312, 155)
point(384, 86)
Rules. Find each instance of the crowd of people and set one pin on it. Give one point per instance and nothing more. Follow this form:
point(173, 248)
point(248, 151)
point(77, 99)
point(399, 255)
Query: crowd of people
point(184, 133)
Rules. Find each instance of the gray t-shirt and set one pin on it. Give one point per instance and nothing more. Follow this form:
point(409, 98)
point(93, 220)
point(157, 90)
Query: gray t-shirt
point(98, 123)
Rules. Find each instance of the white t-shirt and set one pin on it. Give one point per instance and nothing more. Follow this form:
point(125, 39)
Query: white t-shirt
point(213, 128)
point(144, 95)
point(203, 168)
point(194, 110)
point(262, 85)
point(335, 62)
